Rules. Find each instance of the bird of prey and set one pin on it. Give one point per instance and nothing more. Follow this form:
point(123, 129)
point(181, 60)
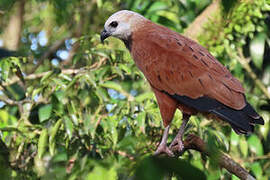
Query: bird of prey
point(183, 75)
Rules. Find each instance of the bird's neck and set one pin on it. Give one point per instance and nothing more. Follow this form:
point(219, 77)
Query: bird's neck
point(128, 42)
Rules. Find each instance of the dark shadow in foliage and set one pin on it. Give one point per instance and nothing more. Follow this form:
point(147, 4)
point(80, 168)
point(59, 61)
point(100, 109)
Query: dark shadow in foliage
point(156, 168)
point(228, 5)
point(6, 53)
point(266, 106)
point(33, 117)
point(14, 92)
point(212, 147)
point(4, 161)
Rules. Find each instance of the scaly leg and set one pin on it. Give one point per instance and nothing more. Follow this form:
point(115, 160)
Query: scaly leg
point(178, 140)
point(162, 148)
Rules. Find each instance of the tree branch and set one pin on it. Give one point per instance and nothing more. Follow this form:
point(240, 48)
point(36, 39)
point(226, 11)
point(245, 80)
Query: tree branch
point(12, 102)
point(12, 35)
point(245, 64)
point(196, 143)
point(197, 26)
point(65, 71)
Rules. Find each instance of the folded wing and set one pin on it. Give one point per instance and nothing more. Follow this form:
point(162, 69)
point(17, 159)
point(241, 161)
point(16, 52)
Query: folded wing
point(188, 73)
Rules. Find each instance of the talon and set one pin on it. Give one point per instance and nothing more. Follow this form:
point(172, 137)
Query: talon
point(179, 143)
point(164, 149)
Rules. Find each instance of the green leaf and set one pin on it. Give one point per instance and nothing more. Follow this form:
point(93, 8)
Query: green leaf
point(234, 139)
point(255, 145)
point(237, 28)
point(257, 170)
point(244, 147)
point(144, 96)
point(102, 173)
point(256, 48)
point(157, 168)
point(60, 95)
point(125, 68)
point(3, 118)
point(52, 136)
point(46, 76)
point(99, 3)
point(265, 128)
point(42, 142)
point(235, 177)
point(222, 139)
point(68, 126)
point(5, 68)
point(44, 112)
point(112, 85)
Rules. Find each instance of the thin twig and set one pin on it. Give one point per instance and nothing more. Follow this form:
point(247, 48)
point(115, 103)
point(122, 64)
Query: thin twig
point(196, 143)
point(13, 102)
point(197, 26)
point(244, 62)
point(122, 153)
point(65, 71)
point(266, 156)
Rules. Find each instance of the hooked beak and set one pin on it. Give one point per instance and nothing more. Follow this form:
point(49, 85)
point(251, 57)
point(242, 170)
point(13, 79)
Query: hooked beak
point(104, 34)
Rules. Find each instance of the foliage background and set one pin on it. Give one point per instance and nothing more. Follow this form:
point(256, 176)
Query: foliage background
point(72, 108)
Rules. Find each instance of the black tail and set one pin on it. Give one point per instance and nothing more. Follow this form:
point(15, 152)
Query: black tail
point(242, 121)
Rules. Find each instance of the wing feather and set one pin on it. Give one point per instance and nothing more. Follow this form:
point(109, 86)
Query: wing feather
point(178, 65)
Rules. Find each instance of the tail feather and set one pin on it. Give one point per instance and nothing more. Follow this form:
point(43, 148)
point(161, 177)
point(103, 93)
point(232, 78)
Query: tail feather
point(256, 118)
point(237, 119)
point(242, 121)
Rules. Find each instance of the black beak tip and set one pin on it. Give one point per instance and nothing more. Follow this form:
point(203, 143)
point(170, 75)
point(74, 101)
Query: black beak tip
point(103, 35)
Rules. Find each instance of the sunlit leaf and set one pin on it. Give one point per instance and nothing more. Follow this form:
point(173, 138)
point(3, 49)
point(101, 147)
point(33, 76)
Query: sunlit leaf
point(102, 173)
point(68, 126)
point(112, 85)
point(142, 97)
point(3, 118)
point(44, 112)
point(234, 139)
point(52, 136)
point(255, 145)
point(42, 142)
point(257, 170)
point(244, 147)
point(257, 49)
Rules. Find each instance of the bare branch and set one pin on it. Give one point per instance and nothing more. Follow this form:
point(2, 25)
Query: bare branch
point(266, 156)
point(122, 153)
point(13, 102)
point(197, 26)
point(196, 143)
point(245, 64)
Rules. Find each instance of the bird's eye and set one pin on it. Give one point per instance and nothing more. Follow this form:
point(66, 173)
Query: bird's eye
point(114, 24)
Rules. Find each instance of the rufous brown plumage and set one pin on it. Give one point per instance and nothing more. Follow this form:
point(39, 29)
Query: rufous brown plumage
point(182, 74)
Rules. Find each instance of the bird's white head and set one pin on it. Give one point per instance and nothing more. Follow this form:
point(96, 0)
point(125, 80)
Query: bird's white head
point(121, 25)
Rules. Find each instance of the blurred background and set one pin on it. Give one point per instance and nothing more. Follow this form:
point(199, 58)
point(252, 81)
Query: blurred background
point(72, 108)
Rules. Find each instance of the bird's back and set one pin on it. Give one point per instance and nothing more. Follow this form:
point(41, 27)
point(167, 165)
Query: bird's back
point(189, 74)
